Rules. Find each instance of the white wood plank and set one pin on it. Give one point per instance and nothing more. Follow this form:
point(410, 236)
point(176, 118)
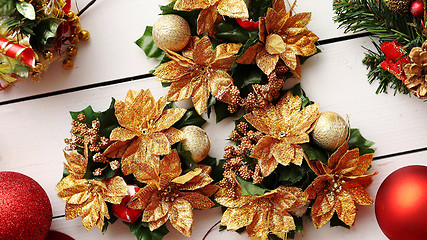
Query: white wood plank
point(111, 53)
point(366, 226)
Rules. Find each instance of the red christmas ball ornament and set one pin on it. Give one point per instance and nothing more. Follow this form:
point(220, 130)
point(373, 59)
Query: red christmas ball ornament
point(54, 235)
point(25, 211)
point(248, 24)
point(122, 211)
point(417, 9)
point(401, 204)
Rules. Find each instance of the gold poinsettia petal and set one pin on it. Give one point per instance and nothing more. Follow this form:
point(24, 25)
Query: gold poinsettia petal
point(189, 5)
point(174, 135)
point(345, 208)
point(267, 62)
point(207, 19)
point(197, 200)
point(274, 44)
point(183, 61)
point(362, 165)
point(187, 177)
point(249, 56)
point(170, 71)
point(122, 134)
point(289, 57)
point(336, 156)
point(153, 225)
point(143, 197)
point(117, 149)
point(262, 152)
point(72, 211)
point(348, 162)
point(116, 189)
point(299, 20)
point(168, 118)
point(156, 210)
point(199, 181)
point(286, 153)
point(146, 173)
point(181, 89)
point(297, 71)
point(319, 221)
point(280, 222)
point(203, 53)
point(274, 21)
point(181, 216)
point(170, 168)
point(220, 84)
point(233, 8)
point(200, 96)
point(358, 193)
point(76, 164)
point(208, 190)
point(223, 198)
point(225, 55)
point(238, 217)
point(258, 228)
point(158, 144)
point(262, 119)
point(324, 203)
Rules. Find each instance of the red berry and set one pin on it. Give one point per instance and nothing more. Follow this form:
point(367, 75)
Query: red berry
point(247, 24)
point(123, 212)
point(417, 9)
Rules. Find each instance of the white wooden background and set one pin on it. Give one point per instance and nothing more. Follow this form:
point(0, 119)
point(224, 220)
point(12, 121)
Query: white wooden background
point(34, 117)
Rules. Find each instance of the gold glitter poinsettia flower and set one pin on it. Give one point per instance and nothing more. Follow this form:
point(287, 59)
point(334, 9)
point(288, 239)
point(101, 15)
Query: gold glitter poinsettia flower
point(281, 36)
point(210, 10)
point(173, 196)
point(286, 125)
point(146, 132)
point(199, 71)
point(262, 214)
point(340, 185)
point(86, 198)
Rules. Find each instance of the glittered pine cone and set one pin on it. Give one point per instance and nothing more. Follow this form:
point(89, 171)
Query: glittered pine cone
point(416, 70)
point(402, 7)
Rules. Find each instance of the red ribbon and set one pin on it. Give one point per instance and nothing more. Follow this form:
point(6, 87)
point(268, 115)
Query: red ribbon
point(395, 61)
point(17, 51)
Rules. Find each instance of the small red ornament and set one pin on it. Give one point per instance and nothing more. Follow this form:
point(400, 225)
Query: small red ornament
point(249, 25)
point(54, 235)
point(417, 9)
point(25, 211)
point(394, 61)
point(401, 204)
point(123, 212)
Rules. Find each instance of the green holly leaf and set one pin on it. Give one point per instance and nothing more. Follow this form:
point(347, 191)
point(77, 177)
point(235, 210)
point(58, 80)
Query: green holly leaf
point(298, 91)
point(217, 170)
point(246, 75)
point(221, 111)
point(187, 162)
point(7, 7)
point(258, 8)
point(45, 32)
point(142, 231)
point(26, 9)
point(107, 119)
point(189, 16)
point(249, 188)
point(315, 153)
point(358, 141)
point(146, 43)
point(191, 117)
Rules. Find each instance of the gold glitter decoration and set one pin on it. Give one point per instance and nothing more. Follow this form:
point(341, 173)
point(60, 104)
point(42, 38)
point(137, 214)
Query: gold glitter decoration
point(171, 32)
point(262, 214)
point(340, 185)
point(281, 36)
point(171, 196)
point(145, 134)
point(330, 131)
point(199, 71)
point(86, 198)
point(286, 125)
point(211, 11)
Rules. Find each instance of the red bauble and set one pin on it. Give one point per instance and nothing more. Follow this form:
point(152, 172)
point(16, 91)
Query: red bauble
point(249, 25)
point(123, 212)
point(54, 235)
point(401, 204)
point(25, 211)
point(417, 9)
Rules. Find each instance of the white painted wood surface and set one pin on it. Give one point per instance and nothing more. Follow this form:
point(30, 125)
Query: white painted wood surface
point(32, 132)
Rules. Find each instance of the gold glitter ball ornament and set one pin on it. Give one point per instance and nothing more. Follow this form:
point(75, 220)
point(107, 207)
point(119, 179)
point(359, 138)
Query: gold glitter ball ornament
point(84, 35)
point(197, 142)
point(68, 64)
point(171, 32)
point(330, 131)
point(71, 51)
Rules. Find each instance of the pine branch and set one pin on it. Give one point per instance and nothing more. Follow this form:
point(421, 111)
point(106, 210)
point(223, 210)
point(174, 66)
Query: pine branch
point(374, 16)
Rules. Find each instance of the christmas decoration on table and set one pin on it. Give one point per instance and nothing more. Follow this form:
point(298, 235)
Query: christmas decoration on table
point(398, 29)
point(400, 203)
point(33, 34)
point(277, 172)
point(25, 208)
point(136, 162)
point(228, 54)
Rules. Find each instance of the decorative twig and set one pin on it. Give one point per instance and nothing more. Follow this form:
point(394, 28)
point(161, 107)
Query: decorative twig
point(86, 7)
point(210, 230)
point(425, 17)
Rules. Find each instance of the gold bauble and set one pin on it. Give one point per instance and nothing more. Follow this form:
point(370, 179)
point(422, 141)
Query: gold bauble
point(68, 64)
point(330, 131)
point(70, 15)
point(76, 29)
point(84, 35)
point(71, 51)
point(197, 142)
point(171, 32)
point(74, 39)
point(47, 55)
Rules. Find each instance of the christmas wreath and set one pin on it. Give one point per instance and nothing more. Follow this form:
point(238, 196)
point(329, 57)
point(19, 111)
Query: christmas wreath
point(400, 35)
point(228, 54)
point(33, 34)
point(140, 161)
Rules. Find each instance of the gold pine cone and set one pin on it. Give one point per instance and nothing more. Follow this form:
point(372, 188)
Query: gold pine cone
point(330, 131)
point(416, 71)
point(171, 32)
point(402, 7)
point(197, 142)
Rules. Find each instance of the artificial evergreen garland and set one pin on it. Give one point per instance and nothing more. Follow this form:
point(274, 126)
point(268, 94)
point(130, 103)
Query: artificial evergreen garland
point(397, 32)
